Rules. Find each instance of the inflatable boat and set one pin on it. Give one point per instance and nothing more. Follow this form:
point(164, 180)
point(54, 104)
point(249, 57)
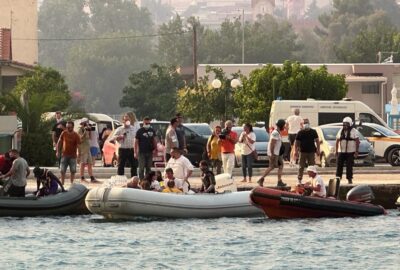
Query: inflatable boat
point(282, 204)
point(71, 202)
point(128, 203)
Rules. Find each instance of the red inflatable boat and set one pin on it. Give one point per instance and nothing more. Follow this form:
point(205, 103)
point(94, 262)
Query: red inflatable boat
point(283, 204)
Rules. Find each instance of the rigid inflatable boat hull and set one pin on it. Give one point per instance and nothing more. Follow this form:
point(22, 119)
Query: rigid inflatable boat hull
point(282, 204)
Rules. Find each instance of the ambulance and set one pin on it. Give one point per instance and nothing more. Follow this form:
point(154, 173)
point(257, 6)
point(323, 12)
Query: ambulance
point(321, 112)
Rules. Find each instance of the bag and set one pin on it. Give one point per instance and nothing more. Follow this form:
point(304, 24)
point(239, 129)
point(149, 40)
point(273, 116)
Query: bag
point(255, 154)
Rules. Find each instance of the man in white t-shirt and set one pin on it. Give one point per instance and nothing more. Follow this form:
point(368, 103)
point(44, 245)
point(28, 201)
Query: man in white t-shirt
point(275, 154)
point(347, 143)
point(181, 166)
point(293, 124)
point(317, 184)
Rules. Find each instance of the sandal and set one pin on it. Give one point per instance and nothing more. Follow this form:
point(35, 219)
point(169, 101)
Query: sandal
point(261, 181)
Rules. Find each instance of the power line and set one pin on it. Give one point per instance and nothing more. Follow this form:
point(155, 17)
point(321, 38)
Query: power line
point(104, 38)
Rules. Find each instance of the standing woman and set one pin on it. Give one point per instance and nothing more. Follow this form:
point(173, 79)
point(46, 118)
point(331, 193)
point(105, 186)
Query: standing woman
point(247, 138)
point(214, 150)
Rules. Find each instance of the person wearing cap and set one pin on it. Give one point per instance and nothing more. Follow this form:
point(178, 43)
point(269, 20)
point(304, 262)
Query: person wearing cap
point(48, 180)
point(66, 148)
point(347, 143)
point(317, 184)
point(85, 157)
point(275, 154)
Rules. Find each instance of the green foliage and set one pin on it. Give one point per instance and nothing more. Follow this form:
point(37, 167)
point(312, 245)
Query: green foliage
point(356, 30)
point(42, 91)
point(153, 92)
point(204, 103)
point(60, 19)
point(37, 149)
point(292, 81)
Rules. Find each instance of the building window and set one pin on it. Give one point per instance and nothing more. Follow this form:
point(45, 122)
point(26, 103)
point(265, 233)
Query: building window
point(370, 88)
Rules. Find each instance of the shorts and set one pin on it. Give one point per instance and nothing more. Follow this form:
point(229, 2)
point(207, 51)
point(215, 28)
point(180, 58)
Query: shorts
point(68, 161)
point(85, 158)
point(94, 151)
point(275, 161)
point(292, 138)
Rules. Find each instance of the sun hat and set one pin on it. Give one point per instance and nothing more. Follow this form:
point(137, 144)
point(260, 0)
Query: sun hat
point(312, 169)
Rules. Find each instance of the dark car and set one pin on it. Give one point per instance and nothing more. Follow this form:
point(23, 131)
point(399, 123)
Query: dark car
point(195, 142)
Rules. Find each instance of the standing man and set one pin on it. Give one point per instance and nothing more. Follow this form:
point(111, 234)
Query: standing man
point(180, 134)
point(145, 147)
point(68, 143)
point(307, 143)
point(347, 143)
point(85, 156)
point(275, 154)
point(293, 124)
point(125, 135)
point(171, 138)
point(18, 173)
point(227, 140)
point(181, 167)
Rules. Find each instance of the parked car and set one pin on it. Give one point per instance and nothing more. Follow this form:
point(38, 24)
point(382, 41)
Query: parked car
point(327, 136)
point(262, 139)
point(203, 129)
point(196, 145)
point(385, 141)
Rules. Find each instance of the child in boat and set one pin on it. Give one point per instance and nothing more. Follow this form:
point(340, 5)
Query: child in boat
point(170, 188)
point(317, 184)
point(48, 181)
point(207, 178)
point(151, 179)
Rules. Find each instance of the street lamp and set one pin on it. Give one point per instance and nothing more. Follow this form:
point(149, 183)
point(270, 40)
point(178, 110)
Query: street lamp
point(217, 84)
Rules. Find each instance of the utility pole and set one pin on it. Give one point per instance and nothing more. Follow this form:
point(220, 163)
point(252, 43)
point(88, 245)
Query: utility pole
point(195, 54)
point(242, 35)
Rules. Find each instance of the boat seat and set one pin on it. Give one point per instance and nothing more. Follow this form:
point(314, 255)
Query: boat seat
point(333, 188)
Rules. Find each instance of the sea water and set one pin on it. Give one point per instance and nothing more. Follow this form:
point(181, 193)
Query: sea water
point(90, 242)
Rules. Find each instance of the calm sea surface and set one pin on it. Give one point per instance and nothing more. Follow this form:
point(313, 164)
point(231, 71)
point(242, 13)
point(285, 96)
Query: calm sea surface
point(90, 242)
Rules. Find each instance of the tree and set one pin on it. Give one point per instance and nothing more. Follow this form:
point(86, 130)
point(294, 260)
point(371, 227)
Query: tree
point(292, 81)
point(153, 92)
point(59, 19)
point(42, 91)
point(204, 103)
point(356, 30)
point(160, 12)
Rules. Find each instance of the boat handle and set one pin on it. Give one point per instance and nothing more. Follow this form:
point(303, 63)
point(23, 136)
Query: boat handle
point(113, 205)
point(95, 204)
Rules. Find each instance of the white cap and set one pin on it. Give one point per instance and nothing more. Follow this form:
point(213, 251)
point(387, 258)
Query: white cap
point(312, 169)
point(83, 120)
point(348, 120)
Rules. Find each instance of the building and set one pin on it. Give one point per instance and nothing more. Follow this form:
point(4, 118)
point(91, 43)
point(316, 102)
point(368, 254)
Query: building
point(295, 9)
point(262, 7)
point(21, 17)
point(369, 83)
point(18, 40)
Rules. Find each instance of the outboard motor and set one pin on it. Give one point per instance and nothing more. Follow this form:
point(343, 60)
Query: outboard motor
point(362, 193)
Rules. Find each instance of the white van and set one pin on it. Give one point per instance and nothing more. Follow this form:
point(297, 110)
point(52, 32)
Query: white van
point(321, 112)
point(103, 120)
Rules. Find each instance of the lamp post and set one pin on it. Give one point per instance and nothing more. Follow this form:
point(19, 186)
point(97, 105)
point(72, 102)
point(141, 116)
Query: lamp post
point(242, 9)
point(217, 84)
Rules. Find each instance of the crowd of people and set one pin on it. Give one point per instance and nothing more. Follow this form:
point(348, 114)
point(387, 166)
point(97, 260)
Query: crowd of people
point(138, 145)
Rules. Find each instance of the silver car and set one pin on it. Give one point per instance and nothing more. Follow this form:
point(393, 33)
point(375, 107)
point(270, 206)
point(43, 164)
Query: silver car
point(262, 139)
point(327, 136)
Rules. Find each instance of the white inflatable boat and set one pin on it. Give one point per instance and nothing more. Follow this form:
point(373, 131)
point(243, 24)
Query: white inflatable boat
point(127, 203)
